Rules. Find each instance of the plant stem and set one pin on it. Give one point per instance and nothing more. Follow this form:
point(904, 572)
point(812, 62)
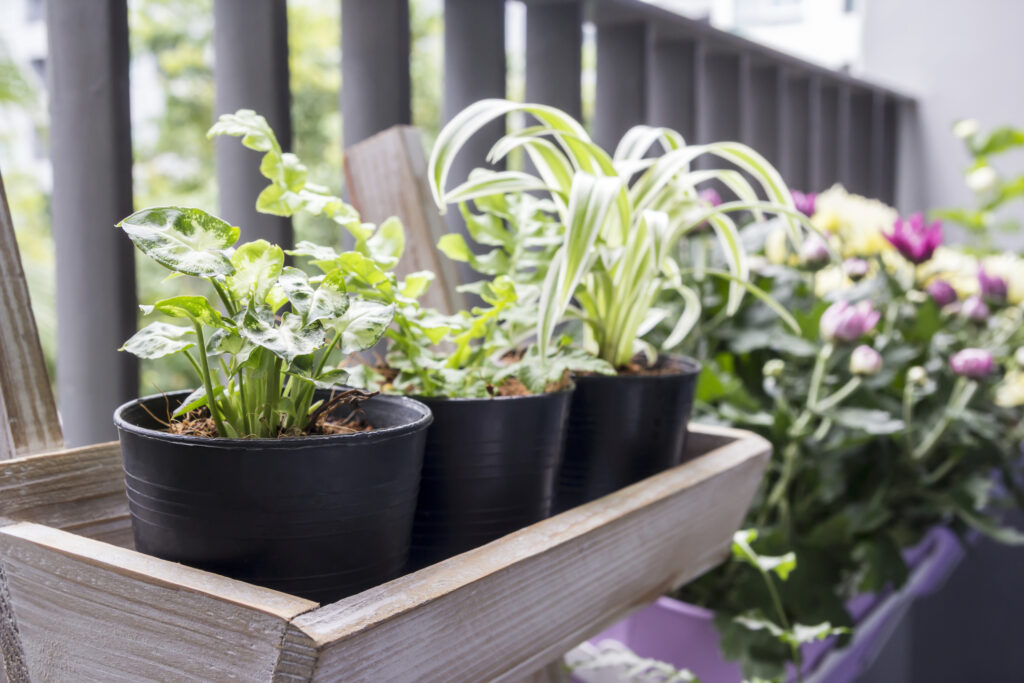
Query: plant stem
point(963, 392)
point(246, 418)
point(211, 401)
point(818, 375)
point(794, 648)
point(224, 298)
point(840, 395)
point(908, 416)
point(327, 352)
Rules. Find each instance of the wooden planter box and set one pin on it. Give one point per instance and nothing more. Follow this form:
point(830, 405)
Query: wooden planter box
point(77, 603)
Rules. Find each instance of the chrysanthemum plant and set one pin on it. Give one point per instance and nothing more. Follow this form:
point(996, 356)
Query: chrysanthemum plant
point(278, 333)
point(618, 220)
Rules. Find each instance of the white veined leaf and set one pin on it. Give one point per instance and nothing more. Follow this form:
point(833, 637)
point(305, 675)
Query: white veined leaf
point(295, 284)
point(288, 339)
point(188, 241)
point(387, 243)
point(362, 324)
point(257, 267)
point(330, 301)
point(251, 127)
point(159, 339)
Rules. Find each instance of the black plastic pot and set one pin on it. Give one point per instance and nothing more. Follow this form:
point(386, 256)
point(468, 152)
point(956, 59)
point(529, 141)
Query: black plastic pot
point(624, 428)
point(489, 469)
point(320, 517)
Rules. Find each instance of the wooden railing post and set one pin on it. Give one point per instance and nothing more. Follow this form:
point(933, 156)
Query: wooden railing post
point(554, 54)
point(620, 99)
point(375, 83)
point(474, 68)
point(90, 144)
point(250, 42)
point(674, 71)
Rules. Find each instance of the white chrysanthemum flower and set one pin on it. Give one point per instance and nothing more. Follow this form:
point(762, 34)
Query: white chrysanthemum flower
point(858, 222)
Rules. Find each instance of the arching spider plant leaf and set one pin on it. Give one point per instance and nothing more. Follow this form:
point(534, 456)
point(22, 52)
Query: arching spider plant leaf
point(188, 241)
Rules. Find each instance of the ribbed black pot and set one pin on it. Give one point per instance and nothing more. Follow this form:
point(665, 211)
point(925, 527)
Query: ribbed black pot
point(320, 517)
point(489, 469)
point(624, 428)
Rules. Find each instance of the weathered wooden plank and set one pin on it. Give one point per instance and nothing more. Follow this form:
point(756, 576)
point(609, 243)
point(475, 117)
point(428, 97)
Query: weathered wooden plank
point(80, 490)
point(573, 574)
point(27, 409)
point(87, 610)
point(386, 175)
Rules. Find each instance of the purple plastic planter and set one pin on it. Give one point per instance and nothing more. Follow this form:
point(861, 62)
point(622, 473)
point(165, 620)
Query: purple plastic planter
point(684, 635)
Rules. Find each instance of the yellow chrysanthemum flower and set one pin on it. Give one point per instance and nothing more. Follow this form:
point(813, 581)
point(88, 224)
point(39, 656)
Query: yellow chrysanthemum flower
point(857, 222)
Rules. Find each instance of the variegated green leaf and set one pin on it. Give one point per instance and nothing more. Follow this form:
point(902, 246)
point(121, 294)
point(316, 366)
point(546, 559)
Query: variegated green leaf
point(195, 308)
point(295, 284)
point(287, 339)
point(257, 267)
point(330, 301)
point(362, 324)
point(188, 241)
point(159, 339)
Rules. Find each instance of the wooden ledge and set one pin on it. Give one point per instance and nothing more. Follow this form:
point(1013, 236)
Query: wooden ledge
point(86, 609)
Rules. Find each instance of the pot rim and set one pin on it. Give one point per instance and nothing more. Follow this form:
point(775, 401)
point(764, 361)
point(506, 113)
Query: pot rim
point(488, 399)
point(689, 367)
point(424, 420)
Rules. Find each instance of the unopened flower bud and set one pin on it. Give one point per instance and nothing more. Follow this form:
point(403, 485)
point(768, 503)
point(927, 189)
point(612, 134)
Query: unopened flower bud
point(814, 251)
point(855, 268)
point(965, 128)
point(865, 361)
point(993, 287)
point(842, 322)
point(1019, 356)
point(774, 368)
point(942, 292)
point(982, 179)
point(974, 363)
point(974, 308)
point(917, 375)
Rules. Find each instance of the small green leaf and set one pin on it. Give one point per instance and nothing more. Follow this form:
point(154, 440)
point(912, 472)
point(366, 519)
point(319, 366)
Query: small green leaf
point(868, 420)
point(257, 267)
point(387, 243)
point(188, 241)
point(415, 284)
point(159, 339)
point(197, 399)
point(362, 324)
point(453, 245)
point(330, 300)
point(195, 308)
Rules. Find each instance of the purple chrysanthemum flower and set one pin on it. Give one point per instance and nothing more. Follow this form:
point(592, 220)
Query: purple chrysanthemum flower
point(804, 202)
point(914, 239)
point(855, 268)
point(974, 308)
point(992, 287)
point(711, 196)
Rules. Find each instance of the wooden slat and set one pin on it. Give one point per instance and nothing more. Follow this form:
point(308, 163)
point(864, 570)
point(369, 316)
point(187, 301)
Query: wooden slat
point(87, 610)
point(27, 409)
point(80, 490)
point(386, 175)
point(573, 574)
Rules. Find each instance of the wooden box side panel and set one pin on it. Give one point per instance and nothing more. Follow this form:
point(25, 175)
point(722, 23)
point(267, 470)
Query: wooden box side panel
point(79, 490)
point(574, 574)
point(87, 610)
